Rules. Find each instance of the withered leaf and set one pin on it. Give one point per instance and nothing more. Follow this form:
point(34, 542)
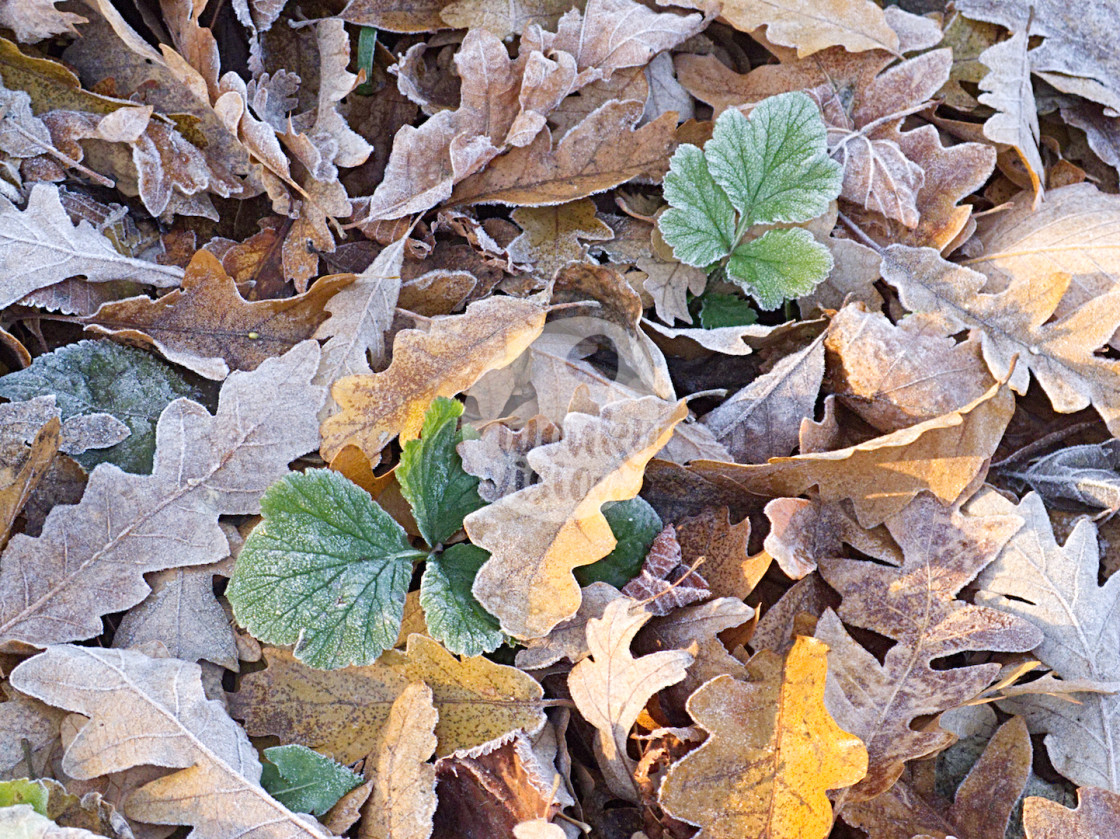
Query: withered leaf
point(91, 557)
point(771, 753)
point(501, 17)
point(1097, 814)
point(538, 535)
point(499, 456)
point(728, 566)
point(611, 688)
point(444, 361)
point(34, 20)
point(1009, 90)
point(664, 581)
point(810, 26)
point(552, 235)
point(207, 327)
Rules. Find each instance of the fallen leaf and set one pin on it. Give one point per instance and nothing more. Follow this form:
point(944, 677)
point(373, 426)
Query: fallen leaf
point(611, 688)
point(37, 19)
point(1097, 814)
point(1084, 475)
point(499, 456)
point(568, 639)
point(397, 15)
point(119, 689)
point(1010, 92)
point(207, 327)
point(503, 18)
point(771, 753)
point(22, 466)
point(728, 566)
point(20, 821)
point(665, 583)
point(403, 799)
point(856, 25)
point(869, 475)
point(444, 361)
point(551, 237)
point(303, 780)
point(90, 558)
point(478, 700)
point(538, 535)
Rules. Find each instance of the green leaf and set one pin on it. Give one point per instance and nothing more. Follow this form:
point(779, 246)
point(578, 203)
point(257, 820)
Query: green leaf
point(774, 167)
point(719, 310)
point(454, 617)
point(92, 377)
point(305, 781)
point(25, 791)
point(327, 570)
point(634, 524)
point(700, 222)
point(431, 474)
point(780, 265)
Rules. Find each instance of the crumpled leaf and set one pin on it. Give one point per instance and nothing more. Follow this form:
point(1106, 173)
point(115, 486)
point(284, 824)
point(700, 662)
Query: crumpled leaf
point(868, 473)
point(446, 360)
point(403, 799)
point(218, 789)
point(207, 327)
point(1088, 475)
point(34, 20)
point(453, 615)
point(1014, 321)
point(1055, 588)
point(93, 377)
point(1009, 90)
point(1097, 814)
point(914, 606)
point(611, 688)
point(22, 822)
point(40, 246)
point(771, 753)
point(327, 570)
point(498, 456)
point(478, 700)
point(303, 780)
point(538, 535)
point(91, 557)
point(665, 583)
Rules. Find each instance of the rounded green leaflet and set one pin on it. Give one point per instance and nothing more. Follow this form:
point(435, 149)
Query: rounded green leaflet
point(327, 570)
point(780, 265)
point(700, 223)
point(455, 618)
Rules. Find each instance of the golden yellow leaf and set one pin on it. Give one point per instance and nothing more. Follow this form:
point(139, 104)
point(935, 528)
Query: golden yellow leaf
point(772, 752)
point(403, 799)
point(552, 234)
point(538, 535)
point(444, 361)
point(813, 25)
point(343, 713)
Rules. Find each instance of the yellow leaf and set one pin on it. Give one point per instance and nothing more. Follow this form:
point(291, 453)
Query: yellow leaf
point(538, 535)
point(444, 361)
point(772, 752)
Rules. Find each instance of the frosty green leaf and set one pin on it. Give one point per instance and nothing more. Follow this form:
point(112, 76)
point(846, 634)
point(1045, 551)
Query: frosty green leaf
point(94, 377)
point(431, 475)
point(773, 168)
point(455, 618)
point(305, 781)
point(327, 570)
point(635, 524)
point(720, 310)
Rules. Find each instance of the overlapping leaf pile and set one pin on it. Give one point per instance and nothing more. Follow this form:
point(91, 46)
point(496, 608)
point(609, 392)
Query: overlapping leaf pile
point(552, 418)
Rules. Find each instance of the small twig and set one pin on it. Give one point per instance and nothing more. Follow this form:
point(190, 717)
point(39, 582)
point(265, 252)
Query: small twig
point(863, 237)
point(1031, 449)
point(691, 570)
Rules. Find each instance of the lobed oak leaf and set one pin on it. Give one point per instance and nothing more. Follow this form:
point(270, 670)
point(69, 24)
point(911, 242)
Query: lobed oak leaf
point(551, 237)
point(771, 753)
point(40, 246)
point(538, 535)
point(397, 15)
point(499, 456)
point(914, 606)
point(123, 691)
point(91, 557)
point(1008, 89)
point(1016, 321)
point(869, 474)
point(343, 713)
point(728, 566)
point(501, 17)
point(444, 361)
point(612, 687)
point(1097, 814)
point(403, 799)
point(856, 25)
point(210, 329)
point(665, 583)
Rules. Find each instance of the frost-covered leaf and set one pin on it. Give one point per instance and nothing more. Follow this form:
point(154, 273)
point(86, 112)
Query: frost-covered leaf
point(779, 265)
point(92, 377)
point(1088, 475)
point(21, 821)
point(327, 570)
point(635, 524)
point(34, 20)
point(455, 618)
point(305, 781)
point(700, 221)
point(431, 474)
point(720, 310)
point(91, 557)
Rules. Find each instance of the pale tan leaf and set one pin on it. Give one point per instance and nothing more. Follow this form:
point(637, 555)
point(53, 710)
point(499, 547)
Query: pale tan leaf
point(40, 246)
point(812, 26)
point(538, 829)
point(218, 790)
point(1015, 321)
point(34, 20)
point(1097, 815)
point(91, 557)
point(552, 235)
point(499, 456)
point(20, 821)
point(27, 721)
point(877, 175)
point(446, 360)
point(502, 17)
point(478, 700)
point(611, 688)
point(568, 639)
point(1009, 90)
point(538, 535)
point(403, 799)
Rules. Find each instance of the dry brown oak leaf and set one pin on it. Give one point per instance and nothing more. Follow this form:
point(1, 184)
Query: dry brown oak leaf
point(207, 327)
point(146, 711)
point(343, 713)
point(771, 753)
point(1097, 815)
point(612, 687)
point(942, 456)
point(1016, 322)
point(914, 606)
point(452, 355)
point(538, 535)
point(91, 557)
